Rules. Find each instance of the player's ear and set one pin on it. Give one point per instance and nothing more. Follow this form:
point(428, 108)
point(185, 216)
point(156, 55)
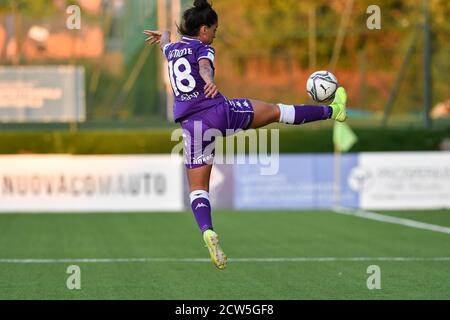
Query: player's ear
point(203, 29)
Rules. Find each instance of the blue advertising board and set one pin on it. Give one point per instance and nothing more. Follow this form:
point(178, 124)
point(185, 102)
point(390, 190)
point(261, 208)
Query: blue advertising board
point(304, 181)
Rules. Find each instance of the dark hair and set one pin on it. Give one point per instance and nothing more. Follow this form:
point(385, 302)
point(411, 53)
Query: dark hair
point(201, 14)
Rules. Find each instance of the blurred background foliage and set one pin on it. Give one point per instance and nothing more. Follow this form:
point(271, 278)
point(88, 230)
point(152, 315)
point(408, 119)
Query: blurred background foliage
point(268, 46)
point(266, 49)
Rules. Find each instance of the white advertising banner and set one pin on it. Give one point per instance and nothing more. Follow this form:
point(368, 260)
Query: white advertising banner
point(64, 183)
point(402, 180)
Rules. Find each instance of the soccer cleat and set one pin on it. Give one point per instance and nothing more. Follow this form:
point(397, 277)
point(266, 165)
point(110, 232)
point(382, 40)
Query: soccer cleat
point(339, 105)
point(218, 257)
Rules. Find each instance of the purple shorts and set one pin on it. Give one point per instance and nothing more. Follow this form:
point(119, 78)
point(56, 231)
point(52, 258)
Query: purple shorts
point(201, 129)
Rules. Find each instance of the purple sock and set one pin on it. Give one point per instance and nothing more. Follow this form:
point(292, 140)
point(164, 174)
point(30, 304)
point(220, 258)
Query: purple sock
point(201, 208)
point(304, 113)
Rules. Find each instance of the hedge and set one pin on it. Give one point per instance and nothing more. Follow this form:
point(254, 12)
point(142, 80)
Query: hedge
point(292, 140)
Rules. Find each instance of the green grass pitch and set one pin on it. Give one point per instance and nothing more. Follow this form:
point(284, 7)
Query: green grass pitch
point(247, 237)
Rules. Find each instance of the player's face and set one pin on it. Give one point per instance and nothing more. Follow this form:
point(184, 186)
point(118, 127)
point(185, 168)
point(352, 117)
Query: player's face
point(209, 33)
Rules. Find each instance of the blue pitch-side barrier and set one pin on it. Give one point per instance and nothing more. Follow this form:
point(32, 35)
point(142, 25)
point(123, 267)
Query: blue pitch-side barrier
point(407, 180)
point(302, 182)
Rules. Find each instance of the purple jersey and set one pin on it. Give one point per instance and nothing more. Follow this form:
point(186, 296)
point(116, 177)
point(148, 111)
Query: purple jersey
point(184, 74)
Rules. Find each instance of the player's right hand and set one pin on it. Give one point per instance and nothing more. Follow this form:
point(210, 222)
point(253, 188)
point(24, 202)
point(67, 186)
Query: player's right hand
point(211, 90)
point(154, 36)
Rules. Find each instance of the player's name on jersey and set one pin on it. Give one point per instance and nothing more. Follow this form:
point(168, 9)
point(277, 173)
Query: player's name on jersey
point(176, 53)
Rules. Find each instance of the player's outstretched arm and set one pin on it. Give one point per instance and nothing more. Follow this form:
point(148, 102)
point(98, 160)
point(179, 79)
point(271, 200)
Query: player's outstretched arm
point(207, 73)
point(163, 38)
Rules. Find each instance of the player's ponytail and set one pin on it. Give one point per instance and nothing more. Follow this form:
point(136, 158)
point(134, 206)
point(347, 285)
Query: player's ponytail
point(202, 4)
point(201, 14)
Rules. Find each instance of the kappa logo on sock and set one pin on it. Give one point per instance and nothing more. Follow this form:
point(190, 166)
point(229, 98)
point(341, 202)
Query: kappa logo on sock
point(201, 205)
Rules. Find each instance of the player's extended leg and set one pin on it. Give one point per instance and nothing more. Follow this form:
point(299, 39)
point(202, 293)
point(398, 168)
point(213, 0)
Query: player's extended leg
point(201, 207)
point(267, 113)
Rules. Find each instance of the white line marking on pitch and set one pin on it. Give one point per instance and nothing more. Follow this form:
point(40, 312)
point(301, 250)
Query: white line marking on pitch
point(391, 219)
point(204, 260)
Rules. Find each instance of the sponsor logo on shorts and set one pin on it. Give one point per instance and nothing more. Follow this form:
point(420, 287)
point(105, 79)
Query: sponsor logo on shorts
point(203, 159)
point(189, 97)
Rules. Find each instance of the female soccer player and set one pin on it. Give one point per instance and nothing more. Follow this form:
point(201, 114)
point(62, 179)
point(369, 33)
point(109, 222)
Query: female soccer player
point(199, 106)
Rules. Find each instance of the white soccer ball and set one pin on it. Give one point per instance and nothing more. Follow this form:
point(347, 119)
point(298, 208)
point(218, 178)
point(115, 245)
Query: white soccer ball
point(322, 86)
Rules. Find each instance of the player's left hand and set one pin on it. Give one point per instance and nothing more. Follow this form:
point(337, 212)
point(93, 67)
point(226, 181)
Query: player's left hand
point(154, 36)
point(211, 90)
